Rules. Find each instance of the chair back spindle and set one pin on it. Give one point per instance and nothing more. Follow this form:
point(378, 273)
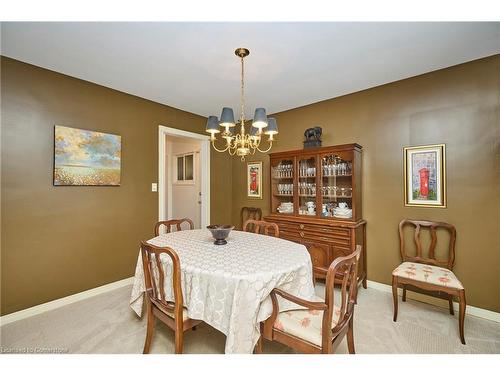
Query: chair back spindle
point(420, 257)
point(347, 267)
point(261, 227)
point(151, 260)
point(170, 223)
point(253, 213)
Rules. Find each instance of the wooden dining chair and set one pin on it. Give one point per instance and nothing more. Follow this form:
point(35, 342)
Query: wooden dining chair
point(262, 227)
point(169, 223)
point(322, 326)
point(247, 213)
point(424, 273)
point(172, 313)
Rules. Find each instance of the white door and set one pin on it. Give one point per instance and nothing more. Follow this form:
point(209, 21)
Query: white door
point(186, 181)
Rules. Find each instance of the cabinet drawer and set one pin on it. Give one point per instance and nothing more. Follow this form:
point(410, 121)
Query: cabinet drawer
point(325, 230)
point(331, 240)
point(315, 237)
point(289, 235)
point(339, 239)
point(316, 229)
point(288, 226)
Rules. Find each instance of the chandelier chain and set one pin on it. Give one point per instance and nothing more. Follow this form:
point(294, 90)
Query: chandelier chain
point(242, 118)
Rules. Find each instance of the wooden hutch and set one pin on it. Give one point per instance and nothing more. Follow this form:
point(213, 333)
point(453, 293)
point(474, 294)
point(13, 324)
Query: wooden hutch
point(316, 201)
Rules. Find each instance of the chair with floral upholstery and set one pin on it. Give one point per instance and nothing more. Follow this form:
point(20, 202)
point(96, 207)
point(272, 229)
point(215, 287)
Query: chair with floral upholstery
point(322, 325)
point(427, 274)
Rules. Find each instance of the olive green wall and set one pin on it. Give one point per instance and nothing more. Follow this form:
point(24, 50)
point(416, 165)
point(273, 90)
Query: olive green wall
point(58, 241)
point(459, 106)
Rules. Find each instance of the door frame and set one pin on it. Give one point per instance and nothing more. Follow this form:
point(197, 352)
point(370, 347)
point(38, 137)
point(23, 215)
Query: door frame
point(163, 182)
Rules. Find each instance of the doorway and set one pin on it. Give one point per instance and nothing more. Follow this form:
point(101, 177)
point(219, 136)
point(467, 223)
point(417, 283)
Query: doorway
point(184, 172)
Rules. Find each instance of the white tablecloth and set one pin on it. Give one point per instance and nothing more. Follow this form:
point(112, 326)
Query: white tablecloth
point(228, 286)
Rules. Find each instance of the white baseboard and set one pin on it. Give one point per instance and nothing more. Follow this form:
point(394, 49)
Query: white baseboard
point(35, 310)
point(470, 310)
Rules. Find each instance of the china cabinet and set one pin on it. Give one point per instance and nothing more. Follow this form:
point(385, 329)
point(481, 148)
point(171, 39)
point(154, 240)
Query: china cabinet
point(316, 201)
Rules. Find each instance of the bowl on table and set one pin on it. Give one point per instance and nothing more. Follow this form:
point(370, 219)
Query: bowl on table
point(220, 232)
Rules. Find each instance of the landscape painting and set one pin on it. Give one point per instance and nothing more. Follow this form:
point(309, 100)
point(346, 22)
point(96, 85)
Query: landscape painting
point(86, 158)
point(425, 176)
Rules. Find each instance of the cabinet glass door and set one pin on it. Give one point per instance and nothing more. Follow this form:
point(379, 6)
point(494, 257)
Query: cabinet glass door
point(306, 185)
point(336, 185)
point(282, 186)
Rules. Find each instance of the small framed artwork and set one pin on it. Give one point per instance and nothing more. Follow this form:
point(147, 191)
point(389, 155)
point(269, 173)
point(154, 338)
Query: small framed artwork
point(425, 176)
point(86, 158)
point(254, 180)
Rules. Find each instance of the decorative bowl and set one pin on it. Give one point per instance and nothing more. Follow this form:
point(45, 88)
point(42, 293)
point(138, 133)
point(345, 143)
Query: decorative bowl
point(220, 232)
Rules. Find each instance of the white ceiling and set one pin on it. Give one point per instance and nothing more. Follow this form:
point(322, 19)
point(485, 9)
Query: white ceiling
point(192, 66)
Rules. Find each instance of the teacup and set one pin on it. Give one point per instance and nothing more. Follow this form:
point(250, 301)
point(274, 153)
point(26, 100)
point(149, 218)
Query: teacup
point(342, 205)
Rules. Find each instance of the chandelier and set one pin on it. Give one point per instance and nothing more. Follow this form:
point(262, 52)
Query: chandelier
point(242, 143)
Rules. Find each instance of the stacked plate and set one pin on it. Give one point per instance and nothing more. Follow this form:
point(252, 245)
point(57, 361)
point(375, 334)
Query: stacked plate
point(342, 212)
point(285, 208)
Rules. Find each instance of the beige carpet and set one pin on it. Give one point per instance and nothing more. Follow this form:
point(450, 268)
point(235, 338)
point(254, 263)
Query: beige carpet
point(106, 324)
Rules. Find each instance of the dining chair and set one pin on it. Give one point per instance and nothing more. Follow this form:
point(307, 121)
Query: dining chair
point(322, 325)
point(247, 213)
point(169, 223)
point(172, 313)
point(262, 227)
point(424, 273)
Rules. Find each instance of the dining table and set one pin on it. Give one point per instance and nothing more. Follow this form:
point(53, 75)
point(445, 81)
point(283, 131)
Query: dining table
point(228, 286)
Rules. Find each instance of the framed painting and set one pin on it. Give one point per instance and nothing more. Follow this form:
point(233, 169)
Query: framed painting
point(86, 158)
point(254, 180)
point(425, 176)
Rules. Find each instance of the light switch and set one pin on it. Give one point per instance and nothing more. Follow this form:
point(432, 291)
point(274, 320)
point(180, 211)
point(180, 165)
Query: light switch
point(154, 187)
